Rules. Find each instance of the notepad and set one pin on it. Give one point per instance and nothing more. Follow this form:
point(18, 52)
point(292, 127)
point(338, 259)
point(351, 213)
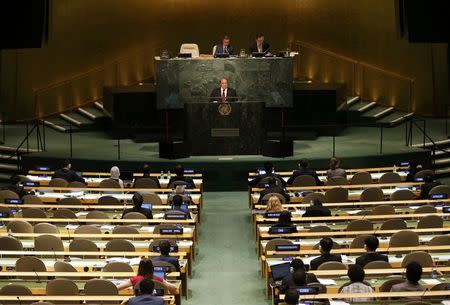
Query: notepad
point(327, 282)
point(431, 281)
point(71, 227)
point(338, 303)
point(353, 212)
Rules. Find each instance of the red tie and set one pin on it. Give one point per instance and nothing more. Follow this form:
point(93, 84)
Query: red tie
point(223, 96)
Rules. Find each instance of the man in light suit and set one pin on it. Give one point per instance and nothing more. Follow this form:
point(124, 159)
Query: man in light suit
point(225, 47)
point(144, 294)
point(223, 94)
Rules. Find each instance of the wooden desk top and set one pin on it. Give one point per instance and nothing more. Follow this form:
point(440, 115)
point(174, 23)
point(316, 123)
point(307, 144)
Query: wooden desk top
point(102, 221)
point(98, 189)
point(87, 253)
point(349, 186)
point(188, 236)
point(348, 170)
point(107, 174)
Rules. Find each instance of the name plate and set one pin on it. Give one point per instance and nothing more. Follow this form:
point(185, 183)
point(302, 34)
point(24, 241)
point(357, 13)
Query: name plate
point(280, 230)
point(224, 132)
point(272, 214)
point(287, 247)
point(30, 183)
point(172, 249)
point(175, 216)
point(171, 231)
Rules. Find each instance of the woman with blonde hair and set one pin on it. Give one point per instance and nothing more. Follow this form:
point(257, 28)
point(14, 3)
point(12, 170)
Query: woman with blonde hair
point(274, 204)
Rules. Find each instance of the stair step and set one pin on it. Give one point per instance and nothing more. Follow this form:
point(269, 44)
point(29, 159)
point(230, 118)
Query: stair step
point(395, 118)
point(362, 106)
point(76, 119)
point(59, 124)
point(442, 161)
point(13, 149)
point(352, 100)
point(378, 112)
point(99, 105)
point(6, 166)
point(91, 112)
point(430, 145)
point(442, 171)
point(7, 157)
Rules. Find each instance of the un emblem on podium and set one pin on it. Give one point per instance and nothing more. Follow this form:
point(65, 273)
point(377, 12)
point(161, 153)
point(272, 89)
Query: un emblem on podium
point(224, 109)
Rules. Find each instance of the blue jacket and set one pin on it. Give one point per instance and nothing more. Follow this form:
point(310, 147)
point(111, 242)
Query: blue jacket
point(220, 50)
point(145, 299)
point(167, 258)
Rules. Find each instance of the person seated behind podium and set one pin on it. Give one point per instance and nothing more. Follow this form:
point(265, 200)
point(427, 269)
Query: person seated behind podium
point(176, 203)
point(260, 46)
point(413, 169)
point(371, 244)
point(325, 246)
point(288, 282)
point(164, 249)
point(223, 94)
point(179, 176)
point(137, 207)
point(146, 174)
point(144, 294)
point(268, 172)
point(413, 275)
point(225, 47)
point(115, 175)
point(14, 186)
point(67, 173)
point(291, 297)
point(273, 188)
point(285, 221)
point(317, 210)
point(356, 275)
point(335, 170)
point(274, 204)
point(304, 170)
point(427, 186)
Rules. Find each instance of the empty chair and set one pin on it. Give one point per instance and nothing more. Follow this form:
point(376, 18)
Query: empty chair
point(337, 180)
point(7, 194)
point(365, 212)
point(361, 178)
point(48, 243)
point(441, 286)
point(8, 243)
point(394, 224)
point(33, 213)
point(119, 245)
point(77, 184)
point(174, 184)
point(404, 238)
point(441, 240)
point(378, 265)
point(403, 194)
point(134, 215)
point(97, 215)
point(383, 209)
point(425, 209)
point(269, 179)
point(418, 303)
point(19, 226)
point(30, 264)
point(313, 196)
point(31, 199)
point(117, 267)
point(58, 182)
point(64, 213)
point(151, 198)
point(273, 243)
point(423, 173)
point(61, 287)
point(108, 200)
point(390, 178)
point(45, 228)
point(69, 201)
point(279, 196)
point(101, 287)
point(359, 241)
point(321, 288)
point(109, 184)
point(88, 229)
point(320, 229)
point(430, 221)
point(332, 266)
point(190, 48)
point(360, 225)
point(15, 290)
point(83, 245)
point(336, 194)
point(145, 183)
point(304, 180)
point(155, 243)
point(372, 194)
point(421, 257)
point(441, 189)
point(64, 267)
point(386, 286)
point(124, 230)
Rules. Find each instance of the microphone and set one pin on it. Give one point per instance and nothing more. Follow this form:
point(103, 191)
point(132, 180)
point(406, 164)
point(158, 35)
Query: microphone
point(37, 276)
point(423, 294)
point(68, 232)
point(54, 254)
point(18, 299)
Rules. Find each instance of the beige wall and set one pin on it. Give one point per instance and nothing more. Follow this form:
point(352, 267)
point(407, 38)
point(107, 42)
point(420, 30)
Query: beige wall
point(88, 35)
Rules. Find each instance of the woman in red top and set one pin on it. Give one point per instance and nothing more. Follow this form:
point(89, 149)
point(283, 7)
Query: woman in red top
point(145, 270)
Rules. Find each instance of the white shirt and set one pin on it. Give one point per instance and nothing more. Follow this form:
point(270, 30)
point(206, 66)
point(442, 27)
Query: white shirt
point(223, 92)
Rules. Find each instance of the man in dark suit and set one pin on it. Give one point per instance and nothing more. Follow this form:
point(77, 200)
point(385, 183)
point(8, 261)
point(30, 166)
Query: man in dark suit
point(326, 244)
point(304, 170)
point(223, 94)
point(225, 47)
point(268, 168)
point(273, 188)
point(179, 176)
point(317, 210)
point(371, 244)
point(164, 248)
point(260, 46)
point(296, 265)
point(137, 207)
point(144, 294)
point(427, 186)
point(67, 174)
point(146, 174)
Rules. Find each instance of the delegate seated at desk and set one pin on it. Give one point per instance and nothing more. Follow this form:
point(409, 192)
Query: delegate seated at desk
point(225, 47)
point(67, 173)
point(260, 46)
point(223, 94)
point(137, 207)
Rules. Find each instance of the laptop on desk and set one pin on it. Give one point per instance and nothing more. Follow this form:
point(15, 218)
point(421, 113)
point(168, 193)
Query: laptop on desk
point(258, 54)
point(222, 55)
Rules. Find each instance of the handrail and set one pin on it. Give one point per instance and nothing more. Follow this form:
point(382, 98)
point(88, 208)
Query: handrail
point(16, 152)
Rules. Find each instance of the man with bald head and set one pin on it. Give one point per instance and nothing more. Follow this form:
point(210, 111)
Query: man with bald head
point(223, 94)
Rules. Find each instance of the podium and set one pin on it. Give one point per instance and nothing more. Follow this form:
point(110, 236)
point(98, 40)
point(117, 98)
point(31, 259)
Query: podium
point(234, 128)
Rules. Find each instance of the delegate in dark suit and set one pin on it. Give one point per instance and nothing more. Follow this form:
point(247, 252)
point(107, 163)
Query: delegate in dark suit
point(68, 175)
point(274, 189)
point(230, 95)
point(317, 211)
point(146, 212)
point(265, 48)
point(301, 172)
point(370, 257)
point(288, 282)
point(222, 49)
point(145, 299)
point(170, 259)
point(257, 179)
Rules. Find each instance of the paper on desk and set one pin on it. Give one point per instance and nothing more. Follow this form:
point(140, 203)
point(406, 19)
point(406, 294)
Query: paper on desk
point(431, 281)
point(71, 227)
point(76, 193)
point(118, 260)
point(446, 302)
point(338, 303)
point(317, 224)
point(158, 215)
point(353, 212)
point(328, 282)
point(147, 228)
point(346, 259)
point(134, 261)
point(107, 227)
point(79, 214)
